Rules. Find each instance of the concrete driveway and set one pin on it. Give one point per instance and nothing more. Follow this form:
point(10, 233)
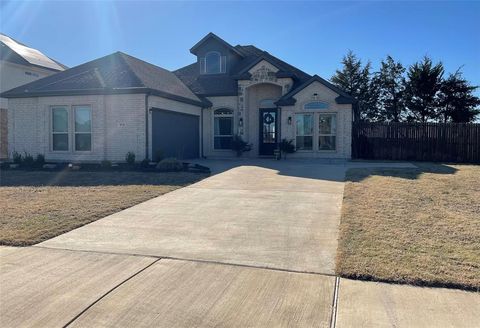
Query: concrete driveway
point(281, 215)
point(251, 246)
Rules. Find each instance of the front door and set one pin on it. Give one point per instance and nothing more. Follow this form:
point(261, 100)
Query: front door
point(268, 131)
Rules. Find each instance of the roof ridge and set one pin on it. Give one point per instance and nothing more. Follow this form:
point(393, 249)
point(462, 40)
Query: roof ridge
point(122, 55)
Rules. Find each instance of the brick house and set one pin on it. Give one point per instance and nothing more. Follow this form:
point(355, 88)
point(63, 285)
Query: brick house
point(19, 64)
point(115, 104)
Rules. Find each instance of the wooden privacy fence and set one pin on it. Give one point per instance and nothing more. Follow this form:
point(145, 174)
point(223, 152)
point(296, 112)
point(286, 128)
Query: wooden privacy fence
point(438, 142)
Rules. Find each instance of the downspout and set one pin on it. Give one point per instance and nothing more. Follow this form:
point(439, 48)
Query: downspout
point(201, 133)
point(147, 136)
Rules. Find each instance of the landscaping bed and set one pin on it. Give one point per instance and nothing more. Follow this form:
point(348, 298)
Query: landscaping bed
point(36, 205)
point(416, 226)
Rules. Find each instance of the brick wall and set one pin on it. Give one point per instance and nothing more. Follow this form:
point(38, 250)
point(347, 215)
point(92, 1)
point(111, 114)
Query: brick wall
point(118, 126)
point(3, 133)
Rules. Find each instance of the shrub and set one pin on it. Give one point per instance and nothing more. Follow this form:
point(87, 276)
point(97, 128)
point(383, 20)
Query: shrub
point(239, 145)
point(28, 160)
point(17, 157)
point(286, 147)
point(145, 163)
point(158, 156)
point(40, 160)
point(130, 158)
point(169, 164)
point(106, 164)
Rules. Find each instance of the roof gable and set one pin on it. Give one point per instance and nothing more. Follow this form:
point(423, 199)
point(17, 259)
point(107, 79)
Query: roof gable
point(212, 36)
point(343, 98)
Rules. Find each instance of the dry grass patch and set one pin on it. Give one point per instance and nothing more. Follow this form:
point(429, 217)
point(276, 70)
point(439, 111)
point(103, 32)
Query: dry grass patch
point(35, 206)
point(418, 226)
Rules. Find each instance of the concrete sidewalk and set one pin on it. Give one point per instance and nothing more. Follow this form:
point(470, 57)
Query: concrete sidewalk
point(252, 246)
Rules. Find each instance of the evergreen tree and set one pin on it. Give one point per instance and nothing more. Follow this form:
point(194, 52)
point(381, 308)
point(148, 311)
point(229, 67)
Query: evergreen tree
point(354, 78)
point(390, 83)
point(457, 102)
point(422, 90)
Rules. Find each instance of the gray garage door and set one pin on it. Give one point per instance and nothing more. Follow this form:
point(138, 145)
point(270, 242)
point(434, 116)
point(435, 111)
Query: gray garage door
point(175, 134)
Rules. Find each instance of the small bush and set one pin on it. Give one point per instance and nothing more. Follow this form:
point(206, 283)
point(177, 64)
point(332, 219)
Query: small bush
point(106, 164)
point(240, 146)
point(17, 157)
point(158, 156)
point(145, 163)
point(130, 158)
point(169, 164)
point(286, 147)
point(39, 160)
point(28, 160)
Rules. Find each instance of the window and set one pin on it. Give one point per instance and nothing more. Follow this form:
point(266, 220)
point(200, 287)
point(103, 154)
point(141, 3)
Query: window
point(83, 128)
point(304, 128)
point(267, 103)
point(223, 128)
point(213, 63)
point(327, 126)
point(316, 105)
point(59, 129)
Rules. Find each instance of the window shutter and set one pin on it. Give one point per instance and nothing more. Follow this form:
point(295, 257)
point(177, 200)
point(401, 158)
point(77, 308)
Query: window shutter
point(223, 64)
point(202, 65)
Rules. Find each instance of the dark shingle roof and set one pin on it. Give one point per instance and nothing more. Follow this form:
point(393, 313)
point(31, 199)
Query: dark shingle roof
point(343, 98)
point(226, 84)
point(115, 73)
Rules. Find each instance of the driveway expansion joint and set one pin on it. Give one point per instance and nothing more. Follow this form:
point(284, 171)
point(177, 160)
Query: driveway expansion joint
point(108, 292)
point(173, 258)
point(333, 320)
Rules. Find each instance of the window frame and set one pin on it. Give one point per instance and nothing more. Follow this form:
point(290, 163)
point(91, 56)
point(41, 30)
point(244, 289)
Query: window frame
point(70, 129)
point(222, 63)
point(74, 132)
point(52, 132)
point(332, 114)
point(214, 116)
point(305, 135)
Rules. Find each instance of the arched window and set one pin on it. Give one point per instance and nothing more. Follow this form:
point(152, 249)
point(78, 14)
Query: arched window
point(213, 63)
point(222, 128)
point(316, 105)
point(267, 103)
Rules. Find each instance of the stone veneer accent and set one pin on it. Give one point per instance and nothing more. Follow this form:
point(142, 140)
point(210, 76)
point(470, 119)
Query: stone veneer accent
point(263, 72)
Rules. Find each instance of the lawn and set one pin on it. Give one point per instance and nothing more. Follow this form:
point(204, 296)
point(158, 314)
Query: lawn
point(38, 205)
point(416, 226)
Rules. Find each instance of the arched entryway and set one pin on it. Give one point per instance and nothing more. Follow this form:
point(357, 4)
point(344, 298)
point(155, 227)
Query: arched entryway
point(263, 118)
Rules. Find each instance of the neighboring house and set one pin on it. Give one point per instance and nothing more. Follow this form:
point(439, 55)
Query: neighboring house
point(115, 104)
point(19, 64)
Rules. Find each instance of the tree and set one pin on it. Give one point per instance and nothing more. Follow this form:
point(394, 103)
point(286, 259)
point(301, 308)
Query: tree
point(422, 90)
point(354, 78)
point(457, 102)
point(390, 85)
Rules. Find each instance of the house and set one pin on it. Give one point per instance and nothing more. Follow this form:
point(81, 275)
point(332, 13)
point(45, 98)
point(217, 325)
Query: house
point(118, 104)
point(19, 64)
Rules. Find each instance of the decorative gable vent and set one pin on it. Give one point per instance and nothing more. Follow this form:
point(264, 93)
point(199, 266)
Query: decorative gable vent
point(316, 105)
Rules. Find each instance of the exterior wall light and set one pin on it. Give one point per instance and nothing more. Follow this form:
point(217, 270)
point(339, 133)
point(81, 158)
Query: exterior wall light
point(240, 122)
point(289, 120)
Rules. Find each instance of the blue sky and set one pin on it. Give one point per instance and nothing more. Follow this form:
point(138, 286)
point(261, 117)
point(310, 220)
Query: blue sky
point(310, 35)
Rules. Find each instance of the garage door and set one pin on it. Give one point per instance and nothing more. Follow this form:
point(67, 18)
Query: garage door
point(175, 134)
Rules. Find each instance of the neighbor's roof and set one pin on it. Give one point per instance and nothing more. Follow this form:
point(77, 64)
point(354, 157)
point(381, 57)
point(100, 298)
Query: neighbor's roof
point(343, 98)
point(226, 85)
point(18, 53)
point(115, 73)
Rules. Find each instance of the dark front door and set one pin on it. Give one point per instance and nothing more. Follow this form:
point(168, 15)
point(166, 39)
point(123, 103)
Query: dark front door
point(268, 131)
